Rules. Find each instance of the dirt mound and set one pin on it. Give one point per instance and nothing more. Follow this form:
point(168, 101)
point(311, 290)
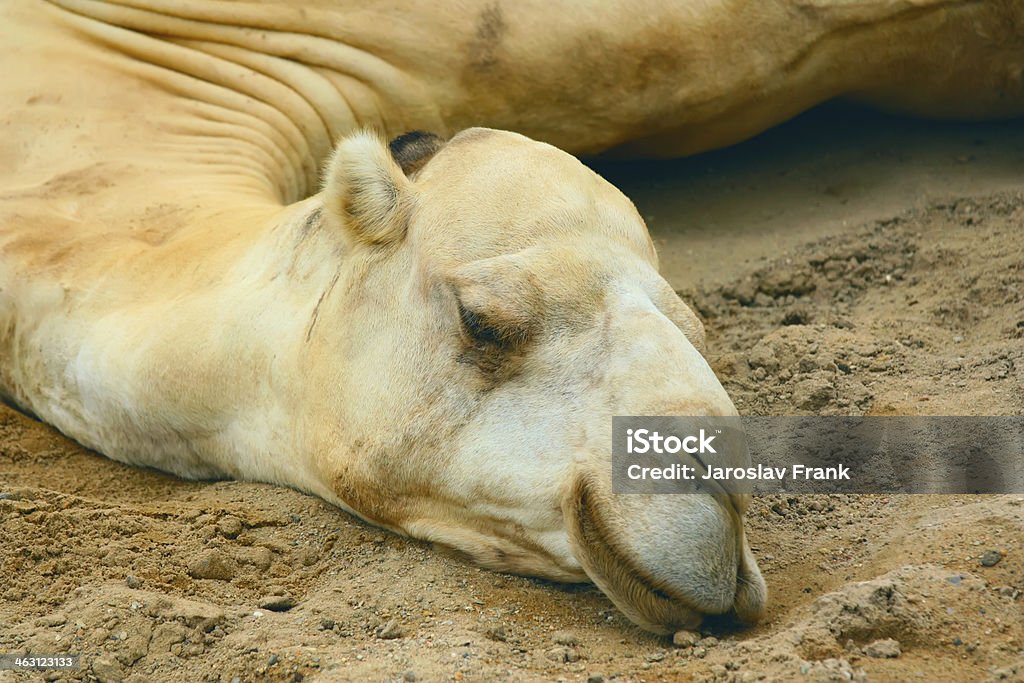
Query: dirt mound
point(921, 314)
point(153, 578)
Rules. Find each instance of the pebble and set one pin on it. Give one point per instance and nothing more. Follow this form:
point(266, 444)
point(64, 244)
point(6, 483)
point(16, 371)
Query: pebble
point(813, 394)
point(326, 624)
point(565, 638)
point(562, 654)
point(308, 557)
point(497, 633)
point(274, 659)
point(595, 678)
point(991, 558)
point(886, 648)
point(277, 603)
point(229, 526)
point(212, 564)
point(685, 638)
point(410, 676)
point(132, 581)
point(389, 631)
point(107, 670)
point(259, 557)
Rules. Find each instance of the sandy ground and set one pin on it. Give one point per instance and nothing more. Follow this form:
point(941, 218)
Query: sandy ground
point(845, 264)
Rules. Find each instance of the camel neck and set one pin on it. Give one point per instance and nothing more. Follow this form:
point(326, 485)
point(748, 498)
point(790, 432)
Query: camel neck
point(277, 85)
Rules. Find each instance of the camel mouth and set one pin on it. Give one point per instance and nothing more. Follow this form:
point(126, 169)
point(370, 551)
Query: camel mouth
point(731, 590)
point(644, 600)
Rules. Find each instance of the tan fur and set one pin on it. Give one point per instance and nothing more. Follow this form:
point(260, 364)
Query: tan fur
point(435, 342)
point(366, 192)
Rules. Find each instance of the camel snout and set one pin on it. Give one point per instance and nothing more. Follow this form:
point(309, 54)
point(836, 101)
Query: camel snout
point(668, 560)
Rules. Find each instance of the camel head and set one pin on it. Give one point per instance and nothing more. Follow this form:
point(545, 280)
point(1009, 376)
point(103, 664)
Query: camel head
point(498, 303)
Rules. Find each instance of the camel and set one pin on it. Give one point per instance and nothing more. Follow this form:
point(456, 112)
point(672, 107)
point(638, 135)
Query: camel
point(434, 335)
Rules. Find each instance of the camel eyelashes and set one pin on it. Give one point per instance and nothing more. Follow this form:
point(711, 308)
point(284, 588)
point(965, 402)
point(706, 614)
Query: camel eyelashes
point(491, 332)
point(474, 325)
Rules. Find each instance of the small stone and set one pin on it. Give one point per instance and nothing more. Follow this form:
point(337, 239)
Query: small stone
point(274, 659)
point(497, 633)
point(132, 581)
point(991, 558)
point(389, 631)
point(813, 394)
point(327, 624)
point(685, 638)
point(165, 636)
point(562, 654)
point(410, 676)
point(886, 648)
point(308, 557)
point(230, 526)
point(762, 356)
point(595, 678)
point(277, 603)
point(565, 638)
point(259, 557)
point(212, 564)
point(107, 670)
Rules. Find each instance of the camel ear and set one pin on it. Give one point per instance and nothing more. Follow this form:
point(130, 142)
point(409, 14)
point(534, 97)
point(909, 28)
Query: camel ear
point(366, 194)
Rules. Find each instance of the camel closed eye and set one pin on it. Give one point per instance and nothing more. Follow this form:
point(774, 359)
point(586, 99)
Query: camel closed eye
point(486, 330)
point(491, 342)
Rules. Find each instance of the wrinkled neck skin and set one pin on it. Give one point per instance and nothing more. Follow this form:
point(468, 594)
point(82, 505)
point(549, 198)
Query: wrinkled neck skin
point(643, 80)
